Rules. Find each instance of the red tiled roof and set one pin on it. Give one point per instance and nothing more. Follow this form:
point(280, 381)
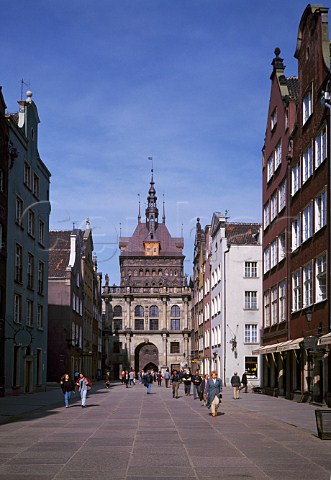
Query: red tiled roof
point(242, 233)
point(59, 252)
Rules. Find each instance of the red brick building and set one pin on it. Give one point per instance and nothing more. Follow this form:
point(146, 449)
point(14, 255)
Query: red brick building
point(296, 245)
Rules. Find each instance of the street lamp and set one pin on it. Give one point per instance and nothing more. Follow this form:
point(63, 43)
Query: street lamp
point(309, 314)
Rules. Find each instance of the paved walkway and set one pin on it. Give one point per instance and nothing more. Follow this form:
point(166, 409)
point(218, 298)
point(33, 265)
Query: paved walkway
point(126, 434)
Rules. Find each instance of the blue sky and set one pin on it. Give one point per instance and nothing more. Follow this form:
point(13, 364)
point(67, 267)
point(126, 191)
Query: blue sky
point(116, 81)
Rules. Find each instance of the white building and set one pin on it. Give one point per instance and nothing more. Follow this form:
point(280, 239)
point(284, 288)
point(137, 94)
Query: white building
point(236, 286)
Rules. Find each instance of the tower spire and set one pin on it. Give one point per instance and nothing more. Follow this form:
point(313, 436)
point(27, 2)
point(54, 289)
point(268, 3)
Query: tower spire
point(139, 216)
point(163, 215)
point(152, 212)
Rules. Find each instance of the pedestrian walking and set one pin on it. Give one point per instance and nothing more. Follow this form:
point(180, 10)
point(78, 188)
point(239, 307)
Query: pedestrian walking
point(126, 379)
point(148, 380)
point(187, 380)
point(68, 387)
point(196, 381)
point(175, 380)
point(83, 385)
point(235, 382)
point(139, 375)
point(203, 396)
point(122, 376)
point(167, 377)
point(159, 378)
point(131, 377)
point(214, 392)
point(107, 379)
point(244, 382)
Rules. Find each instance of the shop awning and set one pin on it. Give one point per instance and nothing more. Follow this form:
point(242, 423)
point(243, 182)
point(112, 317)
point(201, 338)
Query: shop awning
point(325, 339)
point(279, 347)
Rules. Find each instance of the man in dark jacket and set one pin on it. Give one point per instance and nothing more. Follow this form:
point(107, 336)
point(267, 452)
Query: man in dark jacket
point(148, 380)
point(244, 382)
point(214, 392)
point(235, 382)
point(196, 380)
point(175, 379)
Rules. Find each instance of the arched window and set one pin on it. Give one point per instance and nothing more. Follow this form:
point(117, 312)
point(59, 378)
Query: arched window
point(139, 311)
point(117, 311)
point(153, 311)
point(175, 311)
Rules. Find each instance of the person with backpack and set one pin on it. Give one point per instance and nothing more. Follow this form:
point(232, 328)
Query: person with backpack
point(83, 386)
point(196, 380)
point(148, 380)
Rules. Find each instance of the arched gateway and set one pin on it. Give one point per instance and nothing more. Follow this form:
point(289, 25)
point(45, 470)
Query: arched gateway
point(146, 357)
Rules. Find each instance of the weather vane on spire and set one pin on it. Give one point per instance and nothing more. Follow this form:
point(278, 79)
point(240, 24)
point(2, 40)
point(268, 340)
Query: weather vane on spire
point(151, 158)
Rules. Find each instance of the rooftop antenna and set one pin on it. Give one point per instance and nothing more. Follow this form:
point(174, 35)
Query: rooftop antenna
point(23, 83)
point(120, 229)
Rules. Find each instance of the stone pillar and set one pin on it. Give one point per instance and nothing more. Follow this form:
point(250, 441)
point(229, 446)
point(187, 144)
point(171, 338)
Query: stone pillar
point(186, 312)
point(164, 340)
point(165, 305)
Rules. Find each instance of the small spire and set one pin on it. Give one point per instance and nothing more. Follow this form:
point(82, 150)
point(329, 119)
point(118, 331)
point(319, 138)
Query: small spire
point(163, 215)
point(139, 216)
point(88, 224)
point(182, 231)
point(120, 229)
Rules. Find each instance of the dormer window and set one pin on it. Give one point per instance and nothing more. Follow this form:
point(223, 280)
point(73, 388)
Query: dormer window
point(273, 119)
point(307, 107)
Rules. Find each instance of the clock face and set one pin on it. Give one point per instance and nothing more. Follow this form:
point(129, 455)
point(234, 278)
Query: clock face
point(23, 337)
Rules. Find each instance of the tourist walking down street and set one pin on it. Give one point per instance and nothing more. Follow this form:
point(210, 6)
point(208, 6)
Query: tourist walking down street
point(167, 377)
point(68, 387)
point(235, 382)
point(203, 395)
point(148, 380)
point(131, 377)
point(244, 382)
point(196, 380)
point(126, 378)
point(83, 387)
point(107, 379)
point(214, 392)
point(187, 380)
point(175, 379)
point(159, 378)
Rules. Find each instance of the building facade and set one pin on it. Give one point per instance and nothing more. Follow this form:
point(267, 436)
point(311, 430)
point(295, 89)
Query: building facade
point(296, 285)
point(3, 234)
point(236, 291)
point(75, 322)
point(147, 317)
point(27, 254)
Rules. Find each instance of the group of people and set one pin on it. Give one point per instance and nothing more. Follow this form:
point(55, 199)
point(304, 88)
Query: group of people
point(238, 384)
point(128, 377)
point(68, 387)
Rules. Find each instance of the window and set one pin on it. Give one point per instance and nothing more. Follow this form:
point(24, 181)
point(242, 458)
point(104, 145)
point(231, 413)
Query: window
point(29, 313)
point(274, 305)
point(18, 263)
point(250, 333)
point(30, 270)
point(40, 317)
point(36, 185)
point(295, 178)
point(39, 366)
point(17, 308)
point(273, 254)
point(286, 118)
point(320, 147)
point(278, 155)
point(266, 215)
point(307, 222)
point(296, 233)
point(320, 279)
point(266, 259)
point(250, 300)
point(40, 277)
point(117, 311)
point(139, 324)
point(139, 311)
point(282, 196)
point(307, 284)
point(307, 107)
point(320, 211)
point(174, 347)
point(267, 309)
point(251, 366)
point(175, 311)
point(270, 167)
point(250, 269)
point(273, 119)
point(27, 175)
point(175, 324)
point(296, 291)
point(19, 211)
point(281, 247)
point(153, 324)
point(153, 311)
point(307, 164)
point(118, 324)
point(273, 206)
point(31, 229)
point(41, 238)
point(282, 301)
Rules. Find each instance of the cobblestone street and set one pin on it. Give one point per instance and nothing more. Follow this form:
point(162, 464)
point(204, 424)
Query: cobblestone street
point(126, 434)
